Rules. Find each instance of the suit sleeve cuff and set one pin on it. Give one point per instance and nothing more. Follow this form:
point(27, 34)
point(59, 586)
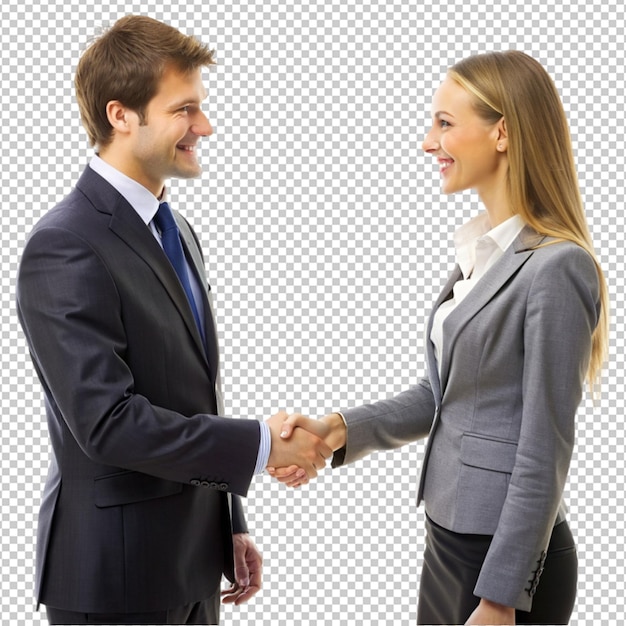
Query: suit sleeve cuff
point(265, 447)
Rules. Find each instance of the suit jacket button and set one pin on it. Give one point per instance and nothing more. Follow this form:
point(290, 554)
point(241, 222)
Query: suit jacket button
point(213, 485)
point(195, 482)
point(223, 487)
point(205, 483)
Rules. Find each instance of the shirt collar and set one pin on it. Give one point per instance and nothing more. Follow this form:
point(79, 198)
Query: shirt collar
point(142, 200)
point(479, 229)
point(505, 233)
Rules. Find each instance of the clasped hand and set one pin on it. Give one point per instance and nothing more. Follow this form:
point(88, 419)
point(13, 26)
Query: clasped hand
point(300, 446)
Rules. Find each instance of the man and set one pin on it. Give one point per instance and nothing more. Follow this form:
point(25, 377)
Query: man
point(141, 513)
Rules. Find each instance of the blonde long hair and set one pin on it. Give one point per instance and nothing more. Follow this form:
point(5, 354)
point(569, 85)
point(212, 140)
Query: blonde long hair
point(542, 180)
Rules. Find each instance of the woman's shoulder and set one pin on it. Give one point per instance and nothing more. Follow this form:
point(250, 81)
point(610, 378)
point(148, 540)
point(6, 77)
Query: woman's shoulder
point(557, 261)
point(546, 249)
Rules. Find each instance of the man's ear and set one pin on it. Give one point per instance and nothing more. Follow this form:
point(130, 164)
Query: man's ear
point(119, 116)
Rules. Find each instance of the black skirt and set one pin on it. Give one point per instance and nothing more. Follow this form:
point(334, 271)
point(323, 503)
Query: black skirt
point(452, 564)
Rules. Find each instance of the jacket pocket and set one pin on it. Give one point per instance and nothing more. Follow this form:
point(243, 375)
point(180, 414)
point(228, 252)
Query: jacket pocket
point(497, 455)
point(129, 487)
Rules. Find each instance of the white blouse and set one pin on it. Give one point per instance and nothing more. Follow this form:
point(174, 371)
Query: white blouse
point(478, 247)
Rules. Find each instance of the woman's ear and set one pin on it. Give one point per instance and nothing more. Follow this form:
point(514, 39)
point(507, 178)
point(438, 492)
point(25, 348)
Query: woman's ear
point(502, 138)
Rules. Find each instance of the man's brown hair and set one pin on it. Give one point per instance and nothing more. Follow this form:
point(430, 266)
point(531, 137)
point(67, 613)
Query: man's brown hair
point(125, 63)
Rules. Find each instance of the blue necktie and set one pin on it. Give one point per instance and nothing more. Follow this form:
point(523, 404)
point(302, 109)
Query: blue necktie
point(170, 238)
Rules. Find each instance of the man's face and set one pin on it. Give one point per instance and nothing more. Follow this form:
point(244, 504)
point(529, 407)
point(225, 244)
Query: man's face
point(165, 145)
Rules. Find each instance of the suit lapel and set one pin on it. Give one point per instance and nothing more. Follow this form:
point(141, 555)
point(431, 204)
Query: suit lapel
point(192, 250)
point(128, 226)
point(485, 290)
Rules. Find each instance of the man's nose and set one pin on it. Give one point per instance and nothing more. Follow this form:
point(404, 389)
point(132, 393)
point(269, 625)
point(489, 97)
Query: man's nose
point(202, 126)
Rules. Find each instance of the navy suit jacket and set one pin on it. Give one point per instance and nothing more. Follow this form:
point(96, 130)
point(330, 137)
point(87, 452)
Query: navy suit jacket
point(143, 490)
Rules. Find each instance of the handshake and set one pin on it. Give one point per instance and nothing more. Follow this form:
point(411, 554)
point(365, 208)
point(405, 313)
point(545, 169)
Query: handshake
point(300, 445)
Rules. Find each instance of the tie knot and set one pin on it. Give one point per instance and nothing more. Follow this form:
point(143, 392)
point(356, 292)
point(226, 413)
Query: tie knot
point(164, 218)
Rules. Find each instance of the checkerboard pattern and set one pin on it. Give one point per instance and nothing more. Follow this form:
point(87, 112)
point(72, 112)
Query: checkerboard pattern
point(327, 240)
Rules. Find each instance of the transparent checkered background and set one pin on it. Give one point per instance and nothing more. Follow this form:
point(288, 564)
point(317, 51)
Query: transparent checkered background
point(327, 240)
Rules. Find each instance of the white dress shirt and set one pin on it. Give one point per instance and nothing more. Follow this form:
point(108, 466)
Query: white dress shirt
point(478, 247)
point(146, 205)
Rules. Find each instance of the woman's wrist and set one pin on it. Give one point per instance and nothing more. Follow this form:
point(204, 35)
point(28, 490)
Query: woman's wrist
point(488, 612)
point(502, 609)
point(337, 437)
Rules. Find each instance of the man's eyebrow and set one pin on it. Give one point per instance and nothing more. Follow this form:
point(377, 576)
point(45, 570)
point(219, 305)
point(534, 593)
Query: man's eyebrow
point(177, 104)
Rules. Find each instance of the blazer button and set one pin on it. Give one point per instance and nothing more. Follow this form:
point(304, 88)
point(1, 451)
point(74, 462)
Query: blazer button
point(223, 487)
point(205, 483)
point(195, 482)
point(213, 485)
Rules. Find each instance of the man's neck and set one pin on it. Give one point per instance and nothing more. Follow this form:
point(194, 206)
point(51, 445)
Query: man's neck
point(116, 159)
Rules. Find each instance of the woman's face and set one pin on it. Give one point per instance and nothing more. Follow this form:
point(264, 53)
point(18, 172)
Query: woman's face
point(470, 151)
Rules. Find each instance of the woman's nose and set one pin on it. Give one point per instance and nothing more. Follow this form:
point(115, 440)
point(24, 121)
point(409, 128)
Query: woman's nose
point(430, 143)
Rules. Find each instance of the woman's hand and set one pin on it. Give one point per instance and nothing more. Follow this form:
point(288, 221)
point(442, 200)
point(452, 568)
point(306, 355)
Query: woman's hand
point(488, 612)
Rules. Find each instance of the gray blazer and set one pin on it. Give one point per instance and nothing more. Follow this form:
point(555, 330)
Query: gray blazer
point(500, 420)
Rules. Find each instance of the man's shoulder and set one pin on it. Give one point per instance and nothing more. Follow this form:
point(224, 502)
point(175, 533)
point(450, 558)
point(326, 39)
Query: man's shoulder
point(68, 214)
point(80, 206)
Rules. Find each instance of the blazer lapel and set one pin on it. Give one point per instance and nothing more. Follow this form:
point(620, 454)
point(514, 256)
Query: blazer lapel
point(485, 290)
point(488, 286)
point(433, 370)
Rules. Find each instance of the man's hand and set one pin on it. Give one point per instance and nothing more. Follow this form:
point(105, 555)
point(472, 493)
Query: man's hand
point(331, 428)
point(248, 570)
point(305, 449)
point(488, 612)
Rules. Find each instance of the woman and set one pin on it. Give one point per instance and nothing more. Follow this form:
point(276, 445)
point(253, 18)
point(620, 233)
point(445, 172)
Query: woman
point(520, 323)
